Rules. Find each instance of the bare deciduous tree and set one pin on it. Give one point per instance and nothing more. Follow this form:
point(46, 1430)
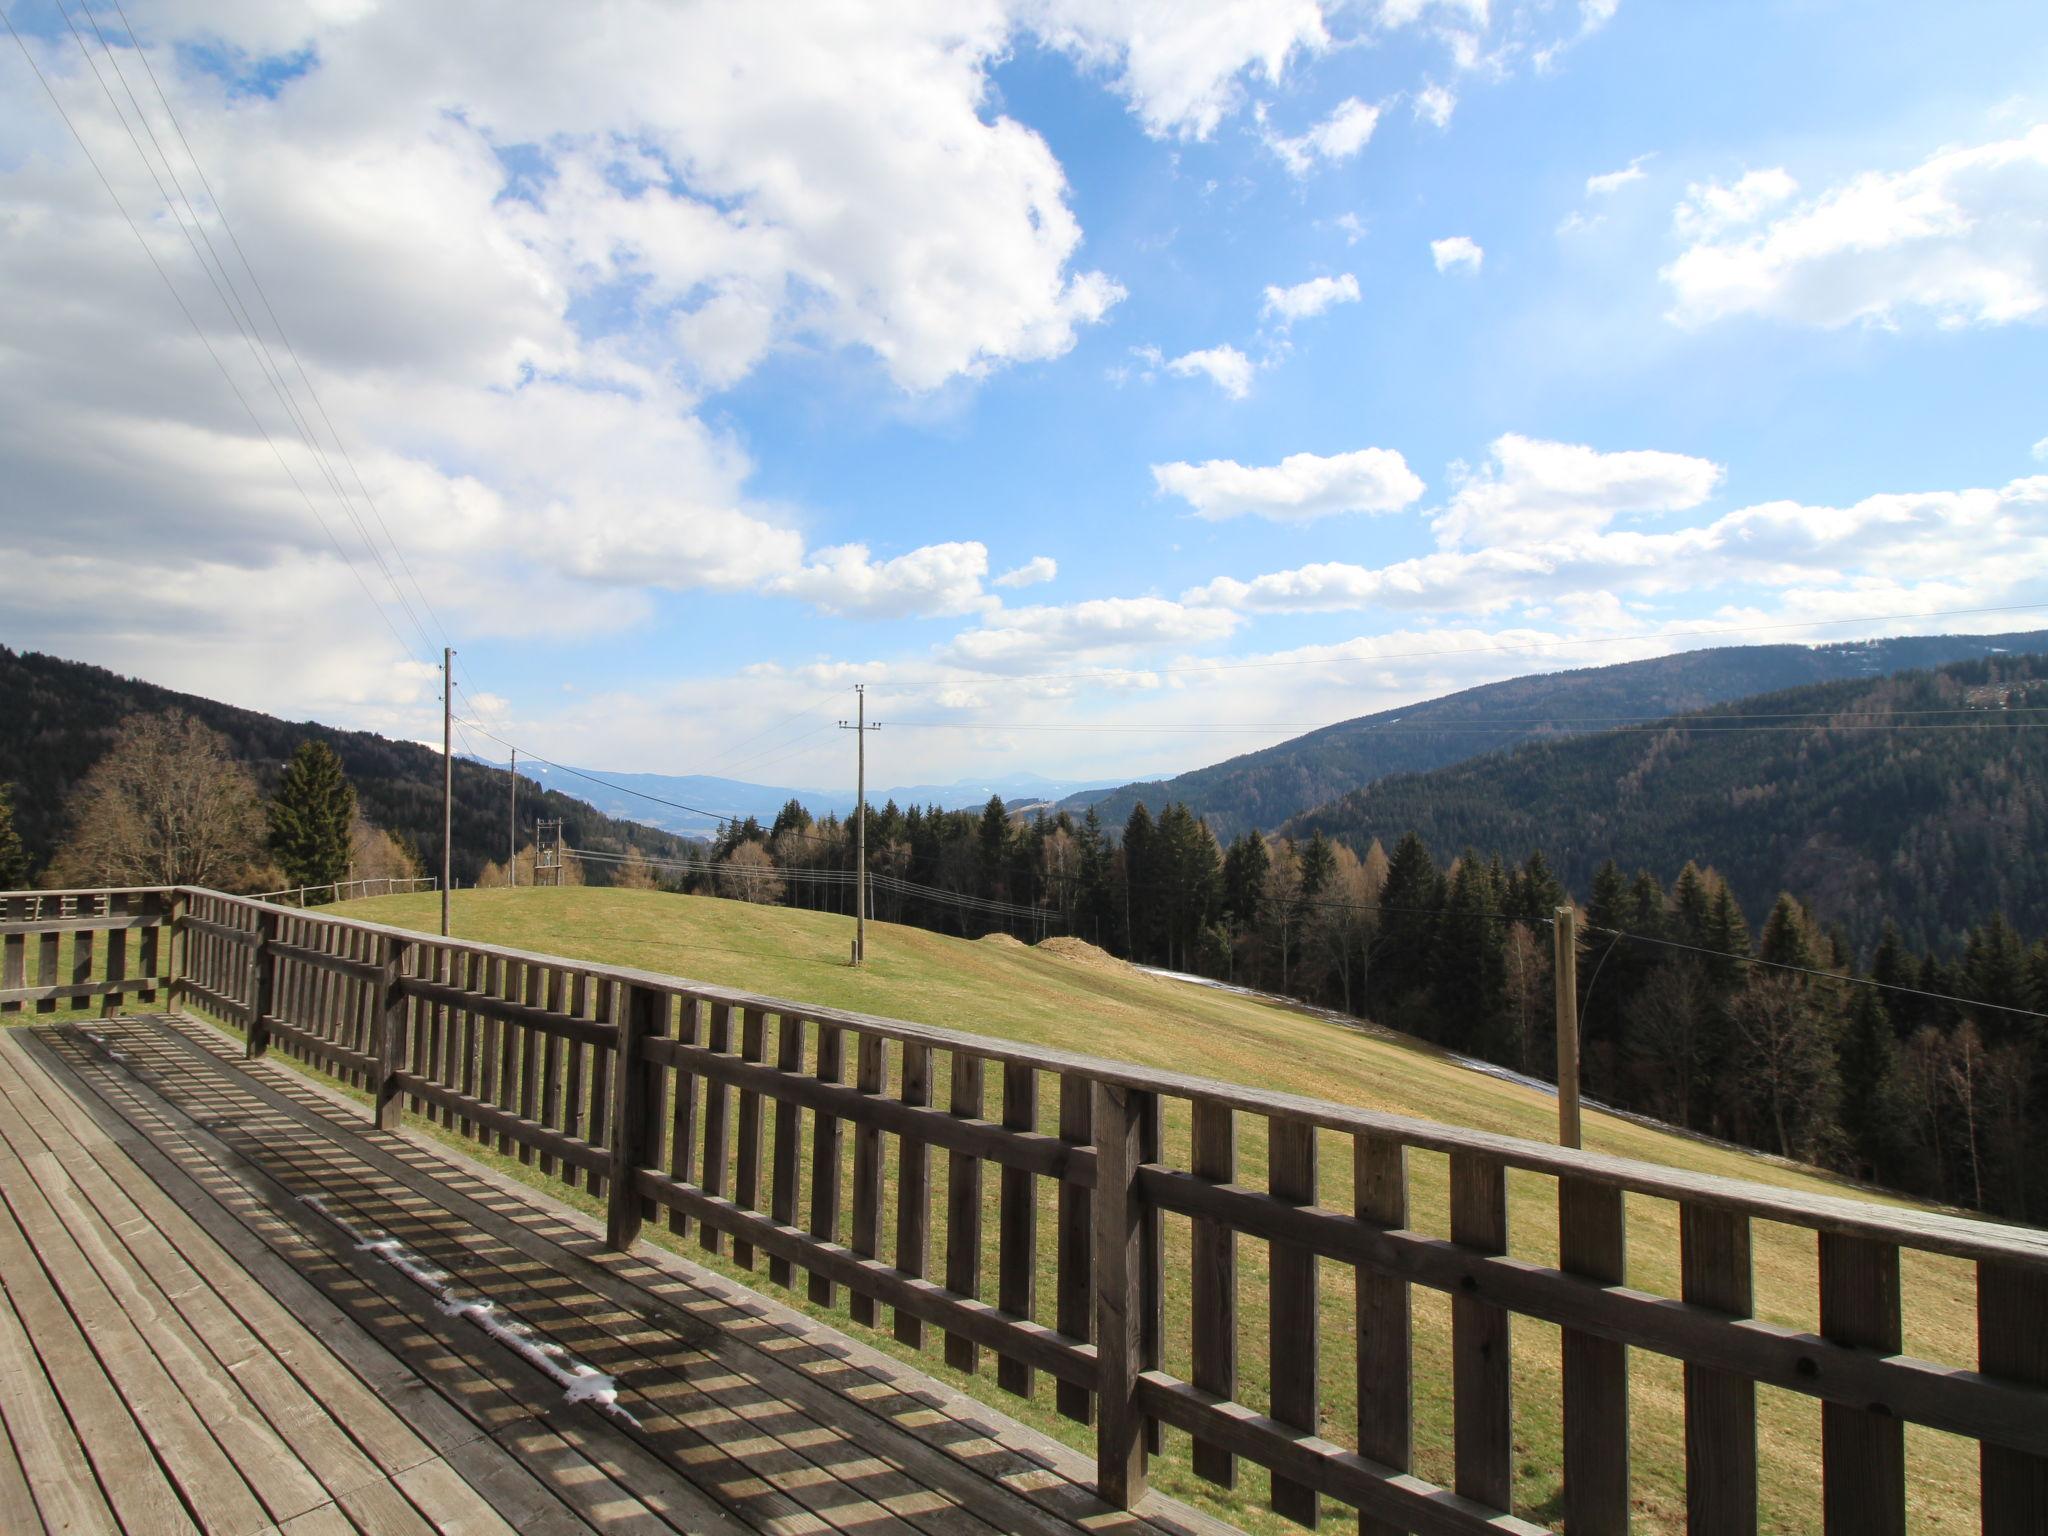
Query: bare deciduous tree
point(168, 805)
point(1786, 1060)
point(635, 874)
point(748, 873)
point(374, 854)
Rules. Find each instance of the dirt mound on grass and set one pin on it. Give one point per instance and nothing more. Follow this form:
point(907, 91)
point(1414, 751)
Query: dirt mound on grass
point(1081, 952)
point(1001, 940)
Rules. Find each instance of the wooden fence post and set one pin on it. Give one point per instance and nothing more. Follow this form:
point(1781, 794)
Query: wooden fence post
point(174, 951)
point(1120, 1446)
point(2011, 1343)
point(263, 993)
point(391, 1031)
point(1564, 967)
point(639, 1017)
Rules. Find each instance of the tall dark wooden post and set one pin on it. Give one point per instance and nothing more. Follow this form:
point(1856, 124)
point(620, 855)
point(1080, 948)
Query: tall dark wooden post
point(263, 993)
point(391, 1031)
point(635, 1131)
point(1120, 1301)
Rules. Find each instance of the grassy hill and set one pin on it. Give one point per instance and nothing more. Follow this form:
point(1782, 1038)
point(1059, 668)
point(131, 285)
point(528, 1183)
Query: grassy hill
point(1002, 988)
point(1858, 796)
point(1260, 790)
point(58, 717)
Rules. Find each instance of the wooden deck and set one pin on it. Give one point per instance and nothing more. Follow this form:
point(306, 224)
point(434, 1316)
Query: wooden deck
point(228, 1304)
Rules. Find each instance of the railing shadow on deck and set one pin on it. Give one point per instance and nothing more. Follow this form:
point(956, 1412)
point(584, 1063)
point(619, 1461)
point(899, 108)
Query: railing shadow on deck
point(659, 1094)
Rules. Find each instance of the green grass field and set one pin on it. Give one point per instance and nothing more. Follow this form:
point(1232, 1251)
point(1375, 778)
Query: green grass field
point(1004, 989)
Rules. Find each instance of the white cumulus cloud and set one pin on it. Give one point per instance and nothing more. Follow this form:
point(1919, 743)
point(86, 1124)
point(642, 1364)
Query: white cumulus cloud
point(1180, 72)
point(1110, 627)
point(1530, 489)
point(1961, 238)
point(1337, 137)
point(1435, 103)
point(935, 580)
point(1039, 568)
point(1609, 182)
point(1226, 367)
point(1304, 300)
point(1457, 251)
point(1300, 488)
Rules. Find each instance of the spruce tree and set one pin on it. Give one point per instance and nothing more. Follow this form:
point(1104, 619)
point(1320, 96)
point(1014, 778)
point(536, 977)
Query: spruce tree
point(1404, 950)
point(311, 815)
point(13, 857)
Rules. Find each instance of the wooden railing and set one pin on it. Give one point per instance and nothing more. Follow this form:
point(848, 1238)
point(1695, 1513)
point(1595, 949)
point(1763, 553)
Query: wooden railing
point(728, 1115)
point(349, 890)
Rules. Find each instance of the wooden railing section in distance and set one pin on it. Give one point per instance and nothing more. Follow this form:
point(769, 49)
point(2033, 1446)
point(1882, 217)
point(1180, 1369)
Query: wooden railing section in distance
point(704, 1107)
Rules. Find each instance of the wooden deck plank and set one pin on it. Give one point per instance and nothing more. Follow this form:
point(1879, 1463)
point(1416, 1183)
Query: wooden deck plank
point(751, 1415)
point(251, 1354)
point(267, 1464)
point(485, 1398)
point(212, 1486)
point(412, 1397)
point(131, 1490)
point(45, 1453)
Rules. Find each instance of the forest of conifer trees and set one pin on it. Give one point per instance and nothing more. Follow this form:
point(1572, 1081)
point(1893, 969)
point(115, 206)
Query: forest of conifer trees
point(1764, 1033)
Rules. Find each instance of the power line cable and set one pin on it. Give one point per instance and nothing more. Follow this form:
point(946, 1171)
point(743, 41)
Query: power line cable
point(404, 646)
point(299, 367)
point(1805, 970)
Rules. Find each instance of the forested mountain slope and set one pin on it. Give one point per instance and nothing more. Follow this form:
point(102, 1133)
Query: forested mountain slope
point(57, 717)
point(1260, 790)
point(1862, 797)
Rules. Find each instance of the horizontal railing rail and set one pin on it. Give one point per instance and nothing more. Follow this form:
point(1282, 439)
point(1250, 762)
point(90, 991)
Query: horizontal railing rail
point(345, 890)
point(801, 1139)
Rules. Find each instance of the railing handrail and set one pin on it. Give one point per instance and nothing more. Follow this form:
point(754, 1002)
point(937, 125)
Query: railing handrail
point(1959, 1236)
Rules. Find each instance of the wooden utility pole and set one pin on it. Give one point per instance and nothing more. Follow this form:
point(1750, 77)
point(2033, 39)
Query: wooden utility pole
point(512, 843)
point(447, 778)
point(1565, 968)
point(860, 727)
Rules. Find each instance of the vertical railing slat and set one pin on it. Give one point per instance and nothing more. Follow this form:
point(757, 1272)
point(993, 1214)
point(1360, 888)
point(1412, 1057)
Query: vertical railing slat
point(573, 1078)
point(782, 1190)
point(14, 949)
point(1074, 1313)
point(1720, 1408)
point(682, 1137)
point(826, 1143)
point(717, 1148)
point(746, 1182)
point(1386, 1407)
point(1863, 1452)
point(533, 994)
point(2012, 1343)
point(1592, 1242)
point(870, 1073)
point(963, 1207)
point(117, 958)
point(1294, 1326)
point(1481, 1363)
point(1120, 1440)
point(913, 1188)
point(552, 1049)
point(1214, 1301)
point(601, 1066)
point(1017, 1229)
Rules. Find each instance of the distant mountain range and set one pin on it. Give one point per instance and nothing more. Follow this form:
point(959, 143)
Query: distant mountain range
point(1862, 798)
point(1261, 790)
point(710, 800)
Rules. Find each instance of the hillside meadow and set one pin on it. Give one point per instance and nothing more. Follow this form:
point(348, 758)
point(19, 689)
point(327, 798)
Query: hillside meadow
point(1002, 988)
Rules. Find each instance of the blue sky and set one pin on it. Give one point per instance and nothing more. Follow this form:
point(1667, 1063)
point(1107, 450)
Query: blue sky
point(1609, 321)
